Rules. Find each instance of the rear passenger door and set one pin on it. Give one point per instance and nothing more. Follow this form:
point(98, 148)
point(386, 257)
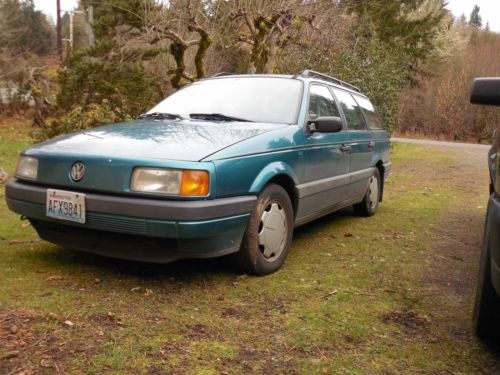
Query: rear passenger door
point(360, 141)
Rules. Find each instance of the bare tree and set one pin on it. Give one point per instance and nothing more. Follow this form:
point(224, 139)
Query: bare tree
point(269, 26)
point(176, 23)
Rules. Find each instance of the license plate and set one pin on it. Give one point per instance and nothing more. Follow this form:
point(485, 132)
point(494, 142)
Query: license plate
point(66, 205)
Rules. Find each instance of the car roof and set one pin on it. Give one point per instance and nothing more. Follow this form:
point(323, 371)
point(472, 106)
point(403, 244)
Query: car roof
point(306, 76)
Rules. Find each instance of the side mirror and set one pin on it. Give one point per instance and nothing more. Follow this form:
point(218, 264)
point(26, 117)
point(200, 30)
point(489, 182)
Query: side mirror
point(486, 91)
point(325, 124)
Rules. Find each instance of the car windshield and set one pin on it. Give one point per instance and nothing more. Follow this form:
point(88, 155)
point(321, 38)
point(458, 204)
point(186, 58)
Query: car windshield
point(256, 99)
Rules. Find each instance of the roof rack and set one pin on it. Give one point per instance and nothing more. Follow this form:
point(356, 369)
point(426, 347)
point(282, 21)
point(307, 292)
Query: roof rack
point(221, 74)
point(312, 73)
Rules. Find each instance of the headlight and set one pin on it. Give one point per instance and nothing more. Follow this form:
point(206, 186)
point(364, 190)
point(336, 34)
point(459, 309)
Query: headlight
point(170, 181)
point(27, 167)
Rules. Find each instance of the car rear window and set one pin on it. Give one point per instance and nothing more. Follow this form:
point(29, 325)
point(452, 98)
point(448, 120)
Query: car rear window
point(372, 117)
point(352, 113)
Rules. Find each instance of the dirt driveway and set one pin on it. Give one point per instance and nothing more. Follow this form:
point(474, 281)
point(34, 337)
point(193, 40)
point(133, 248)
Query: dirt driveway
point(390, 294)
point(452, 273)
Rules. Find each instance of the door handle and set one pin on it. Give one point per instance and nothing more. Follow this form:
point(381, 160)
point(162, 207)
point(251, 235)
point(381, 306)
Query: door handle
point(345, 148)
point(371, 145)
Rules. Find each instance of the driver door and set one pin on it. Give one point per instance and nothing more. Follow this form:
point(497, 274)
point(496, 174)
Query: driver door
point(326, 158)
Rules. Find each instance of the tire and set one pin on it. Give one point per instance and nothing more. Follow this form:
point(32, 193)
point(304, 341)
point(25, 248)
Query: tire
point(369, 205)
point(486, 316)
point(269, 233)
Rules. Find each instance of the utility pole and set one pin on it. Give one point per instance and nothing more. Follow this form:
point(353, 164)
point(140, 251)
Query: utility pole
point(58, 30)
point(90, 11)
point(71, 33)
point(71, 15)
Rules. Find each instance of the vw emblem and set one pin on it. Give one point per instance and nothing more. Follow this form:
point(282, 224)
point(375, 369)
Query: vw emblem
point(77, 171)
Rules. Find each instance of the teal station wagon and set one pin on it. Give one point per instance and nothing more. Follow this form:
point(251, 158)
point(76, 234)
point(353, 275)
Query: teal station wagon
point(229, 164)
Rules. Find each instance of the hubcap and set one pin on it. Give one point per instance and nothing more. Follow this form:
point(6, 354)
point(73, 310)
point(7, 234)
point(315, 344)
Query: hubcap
point(272, 232)
point(373, 192)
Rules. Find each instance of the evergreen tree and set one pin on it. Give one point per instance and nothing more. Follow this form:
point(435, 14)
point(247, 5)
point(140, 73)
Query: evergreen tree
point(110, 14)
point(475, 19)
point(410, 25)
point(24, 29)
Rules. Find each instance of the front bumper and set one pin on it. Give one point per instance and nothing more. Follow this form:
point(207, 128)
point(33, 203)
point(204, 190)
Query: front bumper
point(179, 229)
point(493, 221)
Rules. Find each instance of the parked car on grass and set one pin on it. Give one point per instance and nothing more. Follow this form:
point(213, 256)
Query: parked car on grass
point(229, 164)
point(487, 305)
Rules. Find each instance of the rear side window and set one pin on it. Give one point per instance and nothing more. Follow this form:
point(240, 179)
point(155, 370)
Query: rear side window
point(372, 117)
point(352, 112)
point(321, 103)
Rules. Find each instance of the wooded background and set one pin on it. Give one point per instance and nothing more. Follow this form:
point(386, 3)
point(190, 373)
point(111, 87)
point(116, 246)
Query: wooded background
point(411, 57)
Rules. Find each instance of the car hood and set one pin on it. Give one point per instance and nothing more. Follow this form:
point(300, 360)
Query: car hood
point(172, 140)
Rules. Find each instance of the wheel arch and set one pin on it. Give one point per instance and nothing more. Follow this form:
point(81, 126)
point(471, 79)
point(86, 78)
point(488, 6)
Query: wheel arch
point(281, 174)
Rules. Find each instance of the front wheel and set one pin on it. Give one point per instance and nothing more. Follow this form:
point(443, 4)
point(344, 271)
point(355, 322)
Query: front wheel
point(269, 233)
point(369, 205)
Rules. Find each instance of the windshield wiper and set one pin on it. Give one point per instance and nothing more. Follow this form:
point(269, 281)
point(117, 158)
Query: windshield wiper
point(160, 116)
point(216, 117)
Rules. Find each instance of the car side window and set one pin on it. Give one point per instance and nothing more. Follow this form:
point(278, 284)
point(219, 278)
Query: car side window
point(321, 102)
point(372, 117)
point(352, 112)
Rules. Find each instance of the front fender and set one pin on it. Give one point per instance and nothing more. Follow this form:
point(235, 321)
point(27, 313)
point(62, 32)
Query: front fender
point(268, 172)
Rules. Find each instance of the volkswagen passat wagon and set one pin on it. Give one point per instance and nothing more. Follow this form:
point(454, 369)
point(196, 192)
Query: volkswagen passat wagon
point(226, 165)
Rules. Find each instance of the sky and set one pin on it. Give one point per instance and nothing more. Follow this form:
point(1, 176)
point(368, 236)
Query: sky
point(49, 6)
point(489, 9)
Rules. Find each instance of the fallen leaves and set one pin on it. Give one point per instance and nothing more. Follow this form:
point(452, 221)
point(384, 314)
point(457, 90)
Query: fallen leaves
point(56, 278)
point(18, 340)
point(406, 319)
point(109, 319)
point(329, 294)
point(52, 316)
point(45, 363)
point(11, 354)
point(64, 321)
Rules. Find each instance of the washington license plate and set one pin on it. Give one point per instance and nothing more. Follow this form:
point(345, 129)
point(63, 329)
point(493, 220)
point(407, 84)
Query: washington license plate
point(66, 205)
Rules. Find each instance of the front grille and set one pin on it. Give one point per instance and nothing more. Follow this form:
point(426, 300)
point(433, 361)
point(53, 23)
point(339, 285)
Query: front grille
point(94, 220)
point(115, 245)
point(112, 223)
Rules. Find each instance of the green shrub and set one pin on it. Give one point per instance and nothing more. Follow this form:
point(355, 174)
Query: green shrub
point(97, 74)
point(80, 118)
point(380, 71)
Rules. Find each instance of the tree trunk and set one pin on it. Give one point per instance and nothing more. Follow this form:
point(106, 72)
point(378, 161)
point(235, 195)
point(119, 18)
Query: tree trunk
point(178, 50)
point(199, 59)
point(272, 54)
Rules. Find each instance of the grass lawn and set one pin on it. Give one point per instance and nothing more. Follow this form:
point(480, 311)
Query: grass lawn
point(388, 294)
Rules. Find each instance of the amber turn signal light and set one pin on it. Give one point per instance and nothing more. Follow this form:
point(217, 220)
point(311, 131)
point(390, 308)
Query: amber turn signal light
point(195, 182)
